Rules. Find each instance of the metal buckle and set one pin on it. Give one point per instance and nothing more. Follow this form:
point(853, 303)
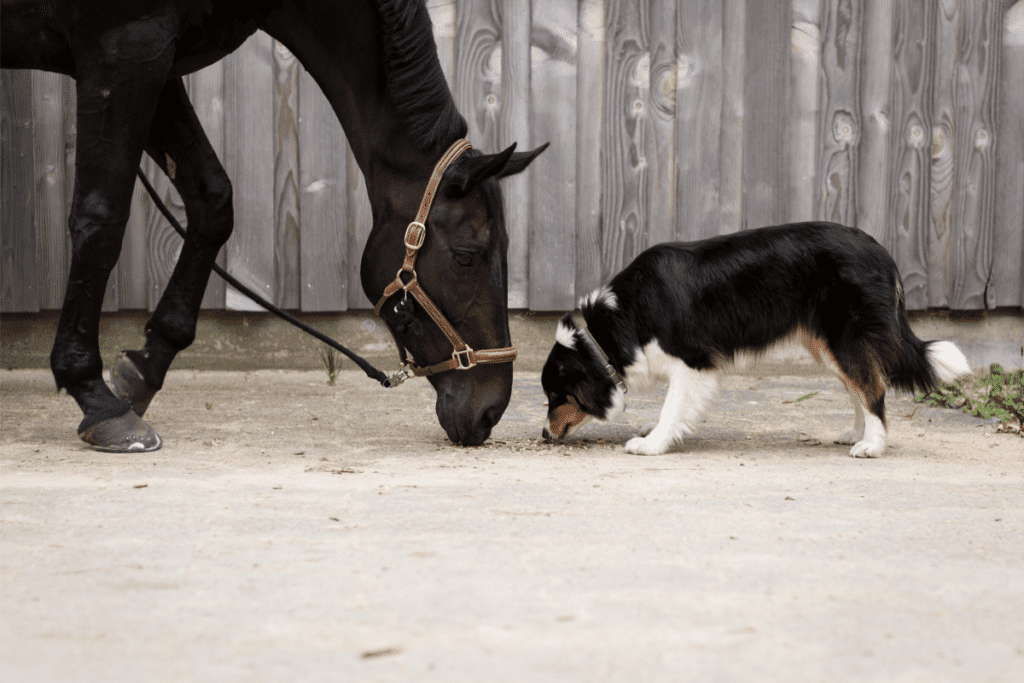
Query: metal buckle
point(458, 356)
point(399, 377)
point(417, 236)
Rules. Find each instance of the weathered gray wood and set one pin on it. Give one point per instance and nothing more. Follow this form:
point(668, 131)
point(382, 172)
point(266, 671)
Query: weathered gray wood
point(516, 105)
point(589, 115)
point(698, 106)
point(286, 177)
point(442, 16)
point(19, 287)
point(552, 272)
point(53, 241)
point(947, 21)
point(133, 283)
point(323, 203)
point(661, 142)
point(873, 168)
point(249, 161)
point(360, 222)
point(976, 80)
point(765, 157)
point(913, 61)
point(206, 91)
point(734, 56)
point(1008, 234)
point(625, 172)
point(804, 104)
point(839, 130)
point(162, 243)
point(478, 62)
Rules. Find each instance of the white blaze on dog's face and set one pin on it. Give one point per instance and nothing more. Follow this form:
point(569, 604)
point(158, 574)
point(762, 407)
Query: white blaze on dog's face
point(576, 384)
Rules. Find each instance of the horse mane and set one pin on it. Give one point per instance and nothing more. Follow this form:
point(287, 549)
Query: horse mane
point(415, 83)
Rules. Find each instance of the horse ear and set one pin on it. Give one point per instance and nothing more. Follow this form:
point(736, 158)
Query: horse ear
point(475, 170)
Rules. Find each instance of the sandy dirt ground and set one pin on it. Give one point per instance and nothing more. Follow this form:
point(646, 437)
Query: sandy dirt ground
point(294, 531)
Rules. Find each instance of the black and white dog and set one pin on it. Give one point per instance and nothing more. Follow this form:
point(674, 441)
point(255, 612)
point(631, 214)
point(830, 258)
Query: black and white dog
point(680, 311)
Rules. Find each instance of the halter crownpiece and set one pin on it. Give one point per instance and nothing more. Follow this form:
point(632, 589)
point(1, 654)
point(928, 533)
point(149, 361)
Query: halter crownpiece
point(463, 356)
point(613, 374)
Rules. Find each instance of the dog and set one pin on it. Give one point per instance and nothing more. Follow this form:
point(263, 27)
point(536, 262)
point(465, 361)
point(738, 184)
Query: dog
point(681, 311)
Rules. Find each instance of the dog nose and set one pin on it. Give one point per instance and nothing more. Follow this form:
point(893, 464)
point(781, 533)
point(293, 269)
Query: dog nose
point(546, 434)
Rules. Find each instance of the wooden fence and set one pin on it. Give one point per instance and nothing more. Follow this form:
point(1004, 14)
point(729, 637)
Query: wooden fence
point(667, 121)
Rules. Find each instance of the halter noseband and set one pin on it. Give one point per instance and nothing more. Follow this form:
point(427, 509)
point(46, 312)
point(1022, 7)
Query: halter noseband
point(463, 357)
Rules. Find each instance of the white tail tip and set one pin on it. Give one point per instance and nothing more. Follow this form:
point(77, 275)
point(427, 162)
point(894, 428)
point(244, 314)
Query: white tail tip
point(947, 361)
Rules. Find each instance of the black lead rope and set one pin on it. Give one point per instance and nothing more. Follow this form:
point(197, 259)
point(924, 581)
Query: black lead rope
point(364, 365)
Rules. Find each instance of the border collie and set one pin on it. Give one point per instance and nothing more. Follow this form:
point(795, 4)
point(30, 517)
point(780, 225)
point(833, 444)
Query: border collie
point(680, 311)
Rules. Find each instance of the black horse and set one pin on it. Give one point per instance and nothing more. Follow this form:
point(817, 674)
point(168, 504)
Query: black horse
point(376, 61)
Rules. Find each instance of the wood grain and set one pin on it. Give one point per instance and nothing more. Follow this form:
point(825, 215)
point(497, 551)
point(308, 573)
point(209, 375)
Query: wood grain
point(286, 177)
point(206, 91)
point(19, 287)
point(839, 130)
point(360, 223)
point(589, 117)
point(162, 243)
point(731, 145)
point(977, 72)
point(51, 206)
point(913, 62)
point(323, 204)
point(1008, 232)
point(249, 161)
point(660, 149)
point(876, 125)
point(805, 67)
point(517, 103)
point(442, 17)
point(552, 273)
point(478, 63)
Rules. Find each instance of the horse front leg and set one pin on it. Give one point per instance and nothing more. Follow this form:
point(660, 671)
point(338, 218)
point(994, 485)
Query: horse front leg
point(116, 100)
point(177, 137)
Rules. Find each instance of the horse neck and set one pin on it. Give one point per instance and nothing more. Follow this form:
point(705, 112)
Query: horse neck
point(341, 46)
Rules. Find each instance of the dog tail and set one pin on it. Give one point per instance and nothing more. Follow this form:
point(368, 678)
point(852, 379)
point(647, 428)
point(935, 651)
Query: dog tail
point(921, 365)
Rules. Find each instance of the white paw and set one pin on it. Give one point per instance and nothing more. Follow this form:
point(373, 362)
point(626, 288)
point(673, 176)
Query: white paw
point(850, 436)
point(867, 449)
point(645, 445)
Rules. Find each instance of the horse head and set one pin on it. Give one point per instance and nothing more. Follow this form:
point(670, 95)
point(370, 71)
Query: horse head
point(462, 267)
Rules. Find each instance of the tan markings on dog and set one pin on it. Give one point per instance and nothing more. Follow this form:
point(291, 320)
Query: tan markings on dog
point(821, 353)
point(564, 418)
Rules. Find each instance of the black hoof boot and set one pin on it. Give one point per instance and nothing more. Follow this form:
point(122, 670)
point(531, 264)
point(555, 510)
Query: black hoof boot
point(124, 434)
point(129, 385)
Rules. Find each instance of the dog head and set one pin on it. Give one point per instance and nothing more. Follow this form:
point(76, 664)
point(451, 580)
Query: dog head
point(576, 382)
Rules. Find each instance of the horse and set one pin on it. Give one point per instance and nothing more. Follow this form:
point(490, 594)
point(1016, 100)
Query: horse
point(376, 62)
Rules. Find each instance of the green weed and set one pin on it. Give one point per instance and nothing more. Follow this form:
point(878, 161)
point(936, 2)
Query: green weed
point(331, 360)
point(998, 394)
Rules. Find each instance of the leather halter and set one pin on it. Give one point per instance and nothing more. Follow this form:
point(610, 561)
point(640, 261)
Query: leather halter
point(463, 357)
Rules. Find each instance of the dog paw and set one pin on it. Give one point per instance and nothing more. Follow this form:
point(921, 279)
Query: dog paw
point(850, 437)
point(645, 445)
point(867, 449)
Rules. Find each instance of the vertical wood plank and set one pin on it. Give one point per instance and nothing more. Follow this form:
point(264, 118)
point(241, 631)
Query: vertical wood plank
point(323, 203)
point(1008, 234)
point(442, 17)
point(19, 289)
point(249, 161)
point(805, 65)
point(53, 243)
point(734, 65)
point(589, 117)
point(206, 91)
point(133, 275)
point(976, 89)
point(478, 63)
point(552, 275)
point(765, 159)
point(839, 133)
point(661, 144)
point(162, 243)
point(286, 177)
point(873, 168)
point(625, 169)
point(360, 223)
point(698, 105)
point(947, 21)
point(913, 61)
point(516, 21)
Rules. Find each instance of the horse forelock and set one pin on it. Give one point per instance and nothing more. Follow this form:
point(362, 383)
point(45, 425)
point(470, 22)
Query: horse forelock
point(415, 83)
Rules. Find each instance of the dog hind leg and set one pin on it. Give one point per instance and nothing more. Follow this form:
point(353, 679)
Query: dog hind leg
point(689, 392)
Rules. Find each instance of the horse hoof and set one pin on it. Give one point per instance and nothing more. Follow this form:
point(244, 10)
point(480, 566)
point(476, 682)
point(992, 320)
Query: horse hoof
point(130, 386)
point(125, 434)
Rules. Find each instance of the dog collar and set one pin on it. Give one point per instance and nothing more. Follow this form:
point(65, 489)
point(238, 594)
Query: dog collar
point(581, 323)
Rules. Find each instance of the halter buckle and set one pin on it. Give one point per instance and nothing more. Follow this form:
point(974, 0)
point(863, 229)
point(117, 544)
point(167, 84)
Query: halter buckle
point(415, 234)
point(464, 354)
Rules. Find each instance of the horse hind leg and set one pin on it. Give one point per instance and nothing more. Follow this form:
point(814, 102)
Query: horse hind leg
point(177, 137)
point(116, 99)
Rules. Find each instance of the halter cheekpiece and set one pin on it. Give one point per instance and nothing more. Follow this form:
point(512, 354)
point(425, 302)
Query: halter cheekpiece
point(463, 356)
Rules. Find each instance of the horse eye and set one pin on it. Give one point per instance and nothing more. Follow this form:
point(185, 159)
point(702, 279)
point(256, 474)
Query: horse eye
point(464, 259)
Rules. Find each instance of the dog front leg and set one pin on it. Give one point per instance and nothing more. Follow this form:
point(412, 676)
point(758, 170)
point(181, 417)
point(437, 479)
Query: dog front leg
point(689, 392)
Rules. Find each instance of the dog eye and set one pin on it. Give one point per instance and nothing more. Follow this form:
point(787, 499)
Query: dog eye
point(464, 258)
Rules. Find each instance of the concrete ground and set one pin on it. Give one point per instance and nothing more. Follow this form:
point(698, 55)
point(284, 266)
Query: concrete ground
point(295, 531)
